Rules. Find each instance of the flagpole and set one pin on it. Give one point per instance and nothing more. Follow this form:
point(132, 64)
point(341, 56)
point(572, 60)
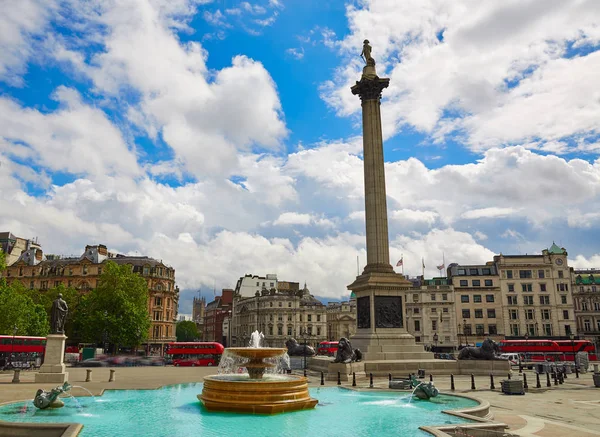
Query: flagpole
point(402, 258)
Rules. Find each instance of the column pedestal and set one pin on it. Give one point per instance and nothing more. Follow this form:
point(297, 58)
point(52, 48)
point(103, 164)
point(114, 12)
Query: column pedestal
point(53, 369)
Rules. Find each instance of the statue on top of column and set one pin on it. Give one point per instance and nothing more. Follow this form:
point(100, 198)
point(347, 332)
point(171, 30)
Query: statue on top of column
point(366, 53)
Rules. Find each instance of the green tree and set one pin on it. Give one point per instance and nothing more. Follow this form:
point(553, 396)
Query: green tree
point(18, 311)
point(186, 330)
point(116, 310)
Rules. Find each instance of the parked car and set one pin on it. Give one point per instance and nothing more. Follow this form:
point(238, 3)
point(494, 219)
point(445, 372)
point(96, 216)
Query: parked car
point(512, 358)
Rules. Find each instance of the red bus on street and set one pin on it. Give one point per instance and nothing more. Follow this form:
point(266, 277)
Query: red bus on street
point(195, 353)
point(551, 350)
point(21, 349)
point(328, 348)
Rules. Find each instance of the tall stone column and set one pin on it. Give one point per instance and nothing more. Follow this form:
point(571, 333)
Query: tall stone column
point(369, 89)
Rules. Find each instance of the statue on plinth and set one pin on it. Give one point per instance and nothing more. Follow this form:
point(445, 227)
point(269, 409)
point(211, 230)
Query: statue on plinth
point(58, 315)
point(366, 53)
point(49, 399)
point(345, 354)
point(298, 350)
point(488, 350)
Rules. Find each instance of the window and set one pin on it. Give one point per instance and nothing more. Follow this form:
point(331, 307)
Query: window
point(157, 301)
point(593, 288)
point(476, 283)
point(544, 300)
point(560, 274)
point(547, 329)
point(444, 296)
point(318, 330)
point(318, 317)
point(280, 317)
point(524, 274)
point(479, 314)
point(486, 271)
point(560, 287)
point(488, 282)
point(85, 269)
point(514, 328)
point(513, 314)
point(492, 330)
point(289, 331)
point(416, 311)
point(434, 310)
point(272, 284)
point(479, 329)
point(464, 283)
point(491, 313)
point(596, 306)
point(434, 325)
point(563, 300)
point(545, 314)
point(529, 314)
point(44, 285)
point(567, 329)
point(270, 304)
point(258, 284)
point(477, 298)
point(156, 315)
point(418, 339)
point(511, 287)
point(541, 274)
point(489, 298)
point(289, 304)
point(509, 274)
point(542, 287)
point(309, 318)
point(415, 297)
point(280, 304)
point(31, 285)
point(512, 300)
point(146, 271)
point(566, 314)
point(270, 317)
point(462, 272)
point(584, 306)
point(445, 310)
point(466, 314)
point(280, 330)
point(467, 330)
point(310, 330)
point(417, 325)
point(473, 272)
point(432, 296)
point(587, 326)
point(528, 300)
point(464, 298)
point(270, 330)
point(526, 287)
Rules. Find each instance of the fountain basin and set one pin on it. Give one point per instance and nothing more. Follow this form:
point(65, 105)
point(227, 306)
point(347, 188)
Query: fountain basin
point(268, 396)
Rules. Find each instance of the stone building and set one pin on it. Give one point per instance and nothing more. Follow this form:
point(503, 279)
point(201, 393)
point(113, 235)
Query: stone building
point(478, 302)
point(13, 246)
point(535, 294)
point(36, 271)
point(215, 314)
point(585, 285)
point(198, 310)
point(249, 285)
point(279, 315)
point(341, 319)
point(430, 315)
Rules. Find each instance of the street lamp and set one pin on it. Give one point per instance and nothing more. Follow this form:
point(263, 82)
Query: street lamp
point(572, 337)
point(465, 332)
point(435, 340)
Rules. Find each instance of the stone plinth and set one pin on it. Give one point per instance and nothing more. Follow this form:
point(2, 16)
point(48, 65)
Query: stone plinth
point(53, 369)
point(345, 370)
point(401, 368)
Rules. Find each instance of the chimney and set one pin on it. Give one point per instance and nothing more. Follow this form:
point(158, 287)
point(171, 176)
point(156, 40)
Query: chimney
point(38, 254)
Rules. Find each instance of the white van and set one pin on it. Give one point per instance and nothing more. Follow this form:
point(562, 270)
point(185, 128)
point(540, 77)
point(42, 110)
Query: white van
point(513, 358)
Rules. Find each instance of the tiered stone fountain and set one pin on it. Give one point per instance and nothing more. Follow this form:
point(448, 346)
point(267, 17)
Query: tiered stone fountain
point(258, 390)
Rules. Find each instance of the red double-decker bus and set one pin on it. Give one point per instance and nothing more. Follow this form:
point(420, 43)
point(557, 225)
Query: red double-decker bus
point(552, 350)
point(21, 349)
point(195, 353)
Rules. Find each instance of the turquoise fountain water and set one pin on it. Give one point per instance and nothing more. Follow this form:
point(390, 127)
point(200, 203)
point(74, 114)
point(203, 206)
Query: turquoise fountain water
point(175, 411)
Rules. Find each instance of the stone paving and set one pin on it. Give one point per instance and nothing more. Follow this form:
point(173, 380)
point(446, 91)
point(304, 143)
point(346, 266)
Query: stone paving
point(572, 408)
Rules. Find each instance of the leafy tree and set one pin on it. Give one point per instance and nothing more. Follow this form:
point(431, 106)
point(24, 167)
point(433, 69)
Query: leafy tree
point(18, 310)
point(116, 311)
point(186, 330)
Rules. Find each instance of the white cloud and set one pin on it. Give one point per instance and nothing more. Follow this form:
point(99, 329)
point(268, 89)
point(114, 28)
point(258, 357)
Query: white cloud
point(253, 9)
point(297, 53)
point(216, 18)
point(491, 212)
point(293, 218)
point(414, 216)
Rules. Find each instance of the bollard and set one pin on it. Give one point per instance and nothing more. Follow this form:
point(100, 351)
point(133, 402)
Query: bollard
point(430, 377)
point(353, 379)
point(564, 371)
point(537, 381)
point(17, 376)
point(576, 370)
point(548, 380)
point(451, 382)
point(525, 386)
point(111, 378)
point(370, 380)
point(339, 378)
point(88, 376)
point(555, 378)
point(389, 377)
point(322, 379)
point(472, 382)
point(304, 373)
point(509, 376)
point(492, 386)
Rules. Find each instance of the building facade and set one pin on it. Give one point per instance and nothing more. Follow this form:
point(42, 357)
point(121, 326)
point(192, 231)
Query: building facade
point(478, 303)
point(198, 310)
point(13, 246)
point(585, 285)
point(279, 315)
point(536, 294)
point(36, 271)
point(249, 285)
point(341, 319)
point(430, 315)
point(215, 314)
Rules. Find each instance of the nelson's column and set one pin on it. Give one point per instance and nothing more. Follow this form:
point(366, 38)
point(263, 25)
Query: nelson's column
point(381, 331)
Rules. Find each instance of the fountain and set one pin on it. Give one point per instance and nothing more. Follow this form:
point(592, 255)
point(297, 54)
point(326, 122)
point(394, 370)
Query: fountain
point(259, 390)
point(49, 399)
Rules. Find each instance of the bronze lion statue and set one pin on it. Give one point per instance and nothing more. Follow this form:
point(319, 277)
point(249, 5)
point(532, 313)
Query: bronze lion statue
point(296, 349)
point(345, 354)
point(488, 350)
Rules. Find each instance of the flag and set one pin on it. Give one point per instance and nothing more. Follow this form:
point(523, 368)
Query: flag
point(399, 263)
point(441, 267)
point(423, 262)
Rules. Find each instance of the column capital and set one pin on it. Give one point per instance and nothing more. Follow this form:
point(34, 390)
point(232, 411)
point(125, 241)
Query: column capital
point(370, 88)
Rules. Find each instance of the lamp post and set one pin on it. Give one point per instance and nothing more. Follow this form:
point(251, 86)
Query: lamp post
point(435, 340)
point(465, 332)
point(572, 337)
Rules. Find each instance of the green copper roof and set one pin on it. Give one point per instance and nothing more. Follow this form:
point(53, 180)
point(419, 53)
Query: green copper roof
point(556, 250)
point(352, 295)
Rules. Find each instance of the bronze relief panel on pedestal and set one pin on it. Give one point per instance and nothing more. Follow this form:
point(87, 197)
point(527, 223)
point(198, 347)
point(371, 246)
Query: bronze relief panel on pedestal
point(363, 312)
point(388, 312)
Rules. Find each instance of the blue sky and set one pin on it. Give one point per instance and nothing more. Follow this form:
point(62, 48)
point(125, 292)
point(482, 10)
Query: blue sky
point(222, 136)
